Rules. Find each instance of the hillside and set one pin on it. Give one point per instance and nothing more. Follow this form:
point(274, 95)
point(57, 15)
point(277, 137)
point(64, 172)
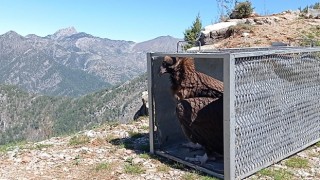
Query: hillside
point(71, 63)
point(25, 116)
point(289, 27)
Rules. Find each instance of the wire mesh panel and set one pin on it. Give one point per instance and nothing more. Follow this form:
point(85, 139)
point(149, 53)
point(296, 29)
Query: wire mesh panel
point(277, 109)
point(271, 107)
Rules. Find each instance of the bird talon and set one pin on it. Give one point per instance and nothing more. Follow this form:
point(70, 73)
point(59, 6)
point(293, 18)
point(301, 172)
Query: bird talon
point(191, 145)
point(198, 159)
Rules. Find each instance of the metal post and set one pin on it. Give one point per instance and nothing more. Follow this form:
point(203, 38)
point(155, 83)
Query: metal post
point(229, 117)
point(151, 107)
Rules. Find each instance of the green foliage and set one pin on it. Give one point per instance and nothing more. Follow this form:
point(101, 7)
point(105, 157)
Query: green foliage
point(316, 6)
point(145, 156)
point(41, 146)
point(280, 174)
point(103, 166)
point(313, 6)
point(130, 168)
point(11, 146)
point(191, 34)
point(177, 165)
point(310, 36)
point(189, 176)
point(297, 162)
point(242, 10)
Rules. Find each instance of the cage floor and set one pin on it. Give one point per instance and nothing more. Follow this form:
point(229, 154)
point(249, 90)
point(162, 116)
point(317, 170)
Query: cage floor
point(178, 153)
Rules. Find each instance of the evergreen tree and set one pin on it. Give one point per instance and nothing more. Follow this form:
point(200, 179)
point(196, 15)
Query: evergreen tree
point(191, 34)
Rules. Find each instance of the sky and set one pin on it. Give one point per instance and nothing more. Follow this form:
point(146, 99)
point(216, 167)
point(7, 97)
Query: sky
point(131, 20)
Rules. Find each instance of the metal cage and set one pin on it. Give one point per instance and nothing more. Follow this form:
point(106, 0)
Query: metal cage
point(271, 107)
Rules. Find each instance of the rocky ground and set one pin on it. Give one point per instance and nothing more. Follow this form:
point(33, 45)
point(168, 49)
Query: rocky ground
point(289, 27)
point(119, 151)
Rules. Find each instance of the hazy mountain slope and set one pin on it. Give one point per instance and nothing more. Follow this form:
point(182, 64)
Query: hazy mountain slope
point(30, 65)
point(71, 63)
point(33, 117)
point(159, 44)
point(117, 104)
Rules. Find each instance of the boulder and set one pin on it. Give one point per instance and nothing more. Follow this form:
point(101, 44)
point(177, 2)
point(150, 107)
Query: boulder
point(216, 32)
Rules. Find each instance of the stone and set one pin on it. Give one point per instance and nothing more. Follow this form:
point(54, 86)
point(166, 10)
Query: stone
point(245, 34)
point(217, 27)
point(90, 134)
point(137, 161)
point(25, 159)
point(44, 156)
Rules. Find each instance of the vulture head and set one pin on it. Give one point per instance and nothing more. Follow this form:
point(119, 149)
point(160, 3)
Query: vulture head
point(174, 65)
point(169, 65)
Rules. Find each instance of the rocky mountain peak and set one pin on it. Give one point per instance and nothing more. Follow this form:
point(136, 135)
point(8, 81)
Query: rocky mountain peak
point(12, 34)
point(65, 32)
point(32, 36)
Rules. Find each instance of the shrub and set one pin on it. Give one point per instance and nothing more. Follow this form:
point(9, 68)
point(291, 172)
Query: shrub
point(191, 34)
point(242, 10)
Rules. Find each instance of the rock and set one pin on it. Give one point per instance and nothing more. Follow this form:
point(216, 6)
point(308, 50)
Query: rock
point(123, 134)
point(217, 27)
point(237, 21)
point(100, 151)
point(44, 156)
point(128, 151)
point(258, 21)
point(90, 134)
point(276, 19)
point(65, 169)
point(12, 154)
point(25, 159)
point(137, 161)
point(250, 21)
point(245, 34)
point(303, 173)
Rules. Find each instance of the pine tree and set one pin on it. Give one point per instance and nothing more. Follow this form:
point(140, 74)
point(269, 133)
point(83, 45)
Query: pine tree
point(191, 34)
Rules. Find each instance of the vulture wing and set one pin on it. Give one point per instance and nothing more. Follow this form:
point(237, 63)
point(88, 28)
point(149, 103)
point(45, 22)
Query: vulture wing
point(201, 119)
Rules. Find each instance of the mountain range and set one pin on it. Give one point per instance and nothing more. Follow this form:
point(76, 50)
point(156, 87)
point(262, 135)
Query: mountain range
point(69, 81)
point(71, 63)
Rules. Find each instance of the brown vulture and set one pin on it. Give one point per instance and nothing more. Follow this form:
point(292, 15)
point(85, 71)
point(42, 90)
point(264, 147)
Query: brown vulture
point(186, 82)
point(199, 105)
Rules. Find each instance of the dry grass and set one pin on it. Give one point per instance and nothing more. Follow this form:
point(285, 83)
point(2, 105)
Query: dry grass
point(78, 140)
point(163, 168)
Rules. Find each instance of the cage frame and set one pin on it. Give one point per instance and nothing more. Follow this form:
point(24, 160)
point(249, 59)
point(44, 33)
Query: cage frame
point(228, 56)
